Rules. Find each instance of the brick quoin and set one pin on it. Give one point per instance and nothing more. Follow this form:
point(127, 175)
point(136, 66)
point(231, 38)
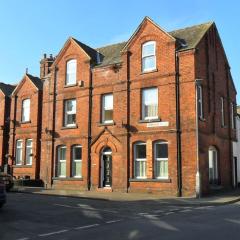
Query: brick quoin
point(182, 56)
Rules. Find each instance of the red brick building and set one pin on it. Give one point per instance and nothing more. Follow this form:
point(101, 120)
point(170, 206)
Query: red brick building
point(152, 114)
point(25, 128)
point(5, 103)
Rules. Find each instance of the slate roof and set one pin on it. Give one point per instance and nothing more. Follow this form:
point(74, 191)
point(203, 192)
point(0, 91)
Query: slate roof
point(36, 81)
point(7, 89)
point(188, 37)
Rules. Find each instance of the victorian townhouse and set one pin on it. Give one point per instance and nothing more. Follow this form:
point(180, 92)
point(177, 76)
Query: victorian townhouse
point(25, 128)
point(153, 114)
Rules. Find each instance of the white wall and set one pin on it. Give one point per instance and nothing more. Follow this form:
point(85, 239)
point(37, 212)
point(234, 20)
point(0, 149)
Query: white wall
point(236, 150)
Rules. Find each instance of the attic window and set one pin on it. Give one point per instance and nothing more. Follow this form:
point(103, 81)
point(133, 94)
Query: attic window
point(71, 74)
point(149, 56)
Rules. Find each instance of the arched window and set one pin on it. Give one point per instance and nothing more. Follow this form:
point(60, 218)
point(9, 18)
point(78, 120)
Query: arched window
point(71, 75)
point(213, 165)
point(161, 159)
point(77, 161)
point(149, 56)
point(61, 161)
point(140, 160)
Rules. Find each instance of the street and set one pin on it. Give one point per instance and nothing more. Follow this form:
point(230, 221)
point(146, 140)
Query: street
point(33, 216)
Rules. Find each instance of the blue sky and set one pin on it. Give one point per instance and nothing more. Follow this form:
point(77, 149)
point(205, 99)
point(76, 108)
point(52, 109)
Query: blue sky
point(30, 28)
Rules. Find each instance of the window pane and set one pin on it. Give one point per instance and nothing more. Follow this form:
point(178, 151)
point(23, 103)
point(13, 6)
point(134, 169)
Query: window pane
point(161, 169)
point(29, 152)
point(148, 49)
point(108, 115)
point(150, 103)
point(77, 169)
point(149, 63)
point(71, 72)
point(108, 101)
point(77, 153)
point(26, 110)
point(140, 151)
point(62, 169)
point(19, 152)
point(161, 150)
point(140, 169)
point(62, 153)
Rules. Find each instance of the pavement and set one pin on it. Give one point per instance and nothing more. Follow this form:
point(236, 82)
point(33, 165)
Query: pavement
point(220, 198)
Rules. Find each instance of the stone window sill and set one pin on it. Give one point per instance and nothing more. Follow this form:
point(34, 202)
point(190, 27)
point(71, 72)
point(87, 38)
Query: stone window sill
point(150, 71)
point(68, 178)
point(69, 127)
point(25, 122)
point(149, 120)
point(70, 85)
point(22, 166)
point(107, 124)
point(168, 180)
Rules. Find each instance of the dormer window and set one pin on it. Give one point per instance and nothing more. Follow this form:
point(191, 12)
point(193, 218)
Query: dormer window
point(149, 56)
point(71, 75)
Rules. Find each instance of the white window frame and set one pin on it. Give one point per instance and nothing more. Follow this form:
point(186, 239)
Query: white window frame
point(233, 115)
point(160, 160)
point(144, 114)
point(72, 112)
point(29, 146)
point(139, 160)
point(74, 160)
point(26, 107)
point(71, 76)
point(222, 112)
point(200, 101)
point(144, 56)
point(59, 161)
point(104, 108)
point(19, 161)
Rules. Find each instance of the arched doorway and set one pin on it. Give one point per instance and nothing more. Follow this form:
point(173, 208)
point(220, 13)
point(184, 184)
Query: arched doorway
point(213, 165)
point(106, 167)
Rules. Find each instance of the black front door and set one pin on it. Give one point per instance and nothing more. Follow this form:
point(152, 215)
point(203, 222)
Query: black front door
point(107, 170)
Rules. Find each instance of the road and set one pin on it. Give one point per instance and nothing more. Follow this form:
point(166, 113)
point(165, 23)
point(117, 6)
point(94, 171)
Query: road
point(29, 216)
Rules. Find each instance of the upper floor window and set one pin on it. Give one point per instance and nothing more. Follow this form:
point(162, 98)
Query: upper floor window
point(26, 110)
point(71, 74)
point(107, 108)
point(29, 152)
point(70, 112)
point(140, 160)
point(150, 103)
point(149, 56)
point(19, 152)
point(61, 161)
point(222, 112)
point(200, 101)
point(77, 161)
point(233, 116)
point(161, 159)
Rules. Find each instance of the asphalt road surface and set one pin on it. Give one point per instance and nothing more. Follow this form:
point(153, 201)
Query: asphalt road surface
point(29, 216)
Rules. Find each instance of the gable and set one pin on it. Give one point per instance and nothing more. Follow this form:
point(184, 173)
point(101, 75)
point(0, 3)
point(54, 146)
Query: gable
point(148, 28)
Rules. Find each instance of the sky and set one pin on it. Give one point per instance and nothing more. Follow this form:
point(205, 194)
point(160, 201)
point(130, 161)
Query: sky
point(30, 28)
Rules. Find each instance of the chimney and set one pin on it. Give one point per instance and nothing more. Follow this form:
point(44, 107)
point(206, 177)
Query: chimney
point(45, 65)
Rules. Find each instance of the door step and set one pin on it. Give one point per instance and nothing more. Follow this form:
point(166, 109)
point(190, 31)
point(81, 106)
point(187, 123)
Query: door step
point(105, 189)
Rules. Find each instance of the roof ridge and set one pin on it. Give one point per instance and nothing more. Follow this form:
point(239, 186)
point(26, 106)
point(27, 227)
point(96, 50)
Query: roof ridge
point(192, 26)
point(109, 45)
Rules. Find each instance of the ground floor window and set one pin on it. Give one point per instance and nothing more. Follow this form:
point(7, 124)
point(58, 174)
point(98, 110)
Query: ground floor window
point(29, 152)
point(161, 159)
point(213, 165)
point(77, 161)
point(19, 152)
point(61, 161)
point(140, 161)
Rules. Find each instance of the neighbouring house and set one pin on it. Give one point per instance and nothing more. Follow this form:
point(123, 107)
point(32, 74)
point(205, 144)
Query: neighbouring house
point(152, 114)
point(25, 128)
point(5, 105)
point(236, 151)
